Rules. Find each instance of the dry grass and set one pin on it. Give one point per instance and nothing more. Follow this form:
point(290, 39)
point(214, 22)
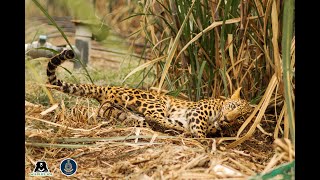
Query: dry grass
point(105, 149)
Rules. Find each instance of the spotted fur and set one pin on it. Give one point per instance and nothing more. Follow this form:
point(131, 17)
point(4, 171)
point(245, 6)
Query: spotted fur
point(161, 112)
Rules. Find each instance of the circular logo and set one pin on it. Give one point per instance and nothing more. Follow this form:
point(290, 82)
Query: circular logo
point(68, 167)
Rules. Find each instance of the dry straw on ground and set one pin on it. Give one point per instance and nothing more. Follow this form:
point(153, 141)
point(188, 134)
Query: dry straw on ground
point(109, 150)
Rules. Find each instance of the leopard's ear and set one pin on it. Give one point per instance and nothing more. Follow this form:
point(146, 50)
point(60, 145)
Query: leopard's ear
point(236, 94)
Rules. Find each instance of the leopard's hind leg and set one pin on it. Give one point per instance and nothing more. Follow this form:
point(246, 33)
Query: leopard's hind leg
point(158, 121)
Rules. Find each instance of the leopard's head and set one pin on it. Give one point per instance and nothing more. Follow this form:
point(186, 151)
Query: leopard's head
point(234, 107)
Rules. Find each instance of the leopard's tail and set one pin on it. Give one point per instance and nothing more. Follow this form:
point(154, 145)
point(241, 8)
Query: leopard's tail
point(54, 63)
point(84, 90)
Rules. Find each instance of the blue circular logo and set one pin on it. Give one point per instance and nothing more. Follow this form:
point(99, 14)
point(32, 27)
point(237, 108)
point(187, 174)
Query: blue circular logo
point(68, 167)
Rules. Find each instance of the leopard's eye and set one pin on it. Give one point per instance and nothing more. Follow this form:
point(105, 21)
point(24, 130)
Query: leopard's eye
point(232, 106)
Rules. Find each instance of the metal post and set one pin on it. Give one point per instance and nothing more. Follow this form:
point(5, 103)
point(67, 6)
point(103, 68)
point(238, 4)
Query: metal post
point(83, 43)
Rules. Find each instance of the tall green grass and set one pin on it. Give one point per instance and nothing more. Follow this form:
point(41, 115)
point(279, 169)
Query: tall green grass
point(287, 31)
point(213, 47)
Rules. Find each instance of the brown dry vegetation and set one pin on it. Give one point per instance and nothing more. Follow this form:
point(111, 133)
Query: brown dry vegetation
point(110, 149)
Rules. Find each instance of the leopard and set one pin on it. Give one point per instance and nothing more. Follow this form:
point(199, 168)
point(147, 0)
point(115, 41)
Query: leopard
point(160, 112)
